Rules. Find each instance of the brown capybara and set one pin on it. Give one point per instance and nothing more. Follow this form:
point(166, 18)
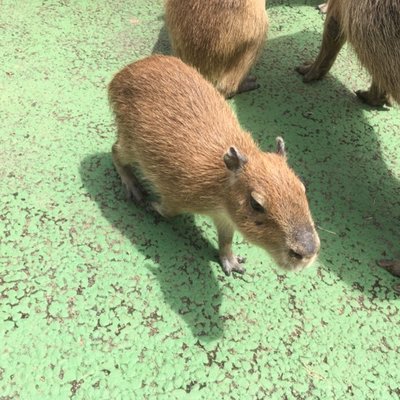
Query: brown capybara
point(221, 39)
point(189, 146)
point(372, 27)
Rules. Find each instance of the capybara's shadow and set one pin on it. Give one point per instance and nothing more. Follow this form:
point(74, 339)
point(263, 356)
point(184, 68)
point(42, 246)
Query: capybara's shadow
point(162, 45)
point(354, 197)
point(179, 253)
point(311, 3)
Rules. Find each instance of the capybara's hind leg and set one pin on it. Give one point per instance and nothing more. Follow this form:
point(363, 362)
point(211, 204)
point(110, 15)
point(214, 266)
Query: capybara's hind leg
point(227, 85)
point(375, 96)
point(332, 41)
point(133, 189)
point(235, 79)
point(164, 208)
point(233, 83)
point(249, 83)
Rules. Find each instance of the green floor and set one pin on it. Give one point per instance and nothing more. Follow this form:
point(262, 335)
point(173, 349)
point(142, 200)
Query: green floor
point(101, 300)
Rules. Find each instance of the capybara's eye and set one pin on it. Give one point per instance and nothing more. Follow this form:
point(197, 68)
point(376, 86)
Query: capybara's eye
point(256, 206)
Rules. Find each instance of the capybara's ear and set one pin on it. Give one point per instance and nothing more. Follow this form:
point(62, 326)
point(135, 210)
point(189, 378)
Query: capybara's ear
point(234, 160)
point(280, 146)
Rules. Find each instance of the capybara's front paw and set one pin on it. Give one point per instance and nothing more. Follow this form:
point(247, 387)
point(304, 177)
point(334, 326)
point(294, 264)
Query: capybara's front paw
point(309, 72)
point(232, 264)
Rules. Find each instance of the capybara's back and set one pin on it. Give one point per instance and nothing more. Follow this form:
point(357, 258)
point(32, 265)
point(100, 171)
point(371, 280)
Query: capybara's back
point(193, 114)
point(222, 39)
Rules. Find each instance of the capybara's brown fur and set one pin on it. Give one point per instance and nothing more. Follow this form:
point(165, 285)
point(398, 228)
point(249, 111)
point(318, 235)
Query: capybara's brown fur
point(372, 27)
point(221, 38)
point(188, 144)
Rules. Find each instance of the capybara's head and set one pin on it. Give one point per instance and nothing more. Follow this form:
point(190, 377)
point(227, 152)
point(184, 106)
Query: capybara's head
point(267, 202)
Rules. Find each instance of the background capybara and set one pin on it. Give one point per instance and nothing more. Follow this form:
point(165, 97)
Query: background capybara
point(373, 29)
point(221, 39)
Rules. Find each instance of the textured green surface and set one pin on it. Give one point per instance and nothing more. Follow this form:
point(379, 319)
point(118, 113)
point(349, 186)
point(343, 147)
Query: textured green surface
point(102, 300)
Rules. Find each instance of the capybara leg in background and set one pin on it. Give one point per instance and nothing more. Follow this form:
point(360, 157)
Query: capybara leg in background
point(375, 96)
point(372, 28)
point(248, 84)
point(235, 79)
point(332, 41)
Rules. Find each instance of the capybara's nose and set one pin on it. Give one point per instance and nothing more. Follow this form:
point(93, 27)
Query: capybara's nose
point(305, 244)
point(296, 255)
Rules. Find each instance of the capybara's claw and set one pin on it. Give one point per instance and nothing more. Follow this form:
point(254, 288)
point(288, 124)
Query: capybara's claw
point(232, 264)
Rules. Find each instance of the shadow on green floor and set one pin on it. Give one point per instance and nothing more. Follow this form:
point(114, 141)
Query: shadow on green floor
point(290, 3)
point(331, 145)
point(180, 255)
point(162, 46)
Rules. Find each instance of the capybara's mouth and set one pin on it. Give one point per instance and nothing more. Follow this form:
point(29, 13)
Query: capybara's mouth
point(291, 264)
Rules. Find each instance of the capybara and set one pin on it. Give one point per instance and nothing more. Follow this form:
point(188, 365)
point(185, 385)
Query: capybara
point(188, 145)
point(221, 39)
